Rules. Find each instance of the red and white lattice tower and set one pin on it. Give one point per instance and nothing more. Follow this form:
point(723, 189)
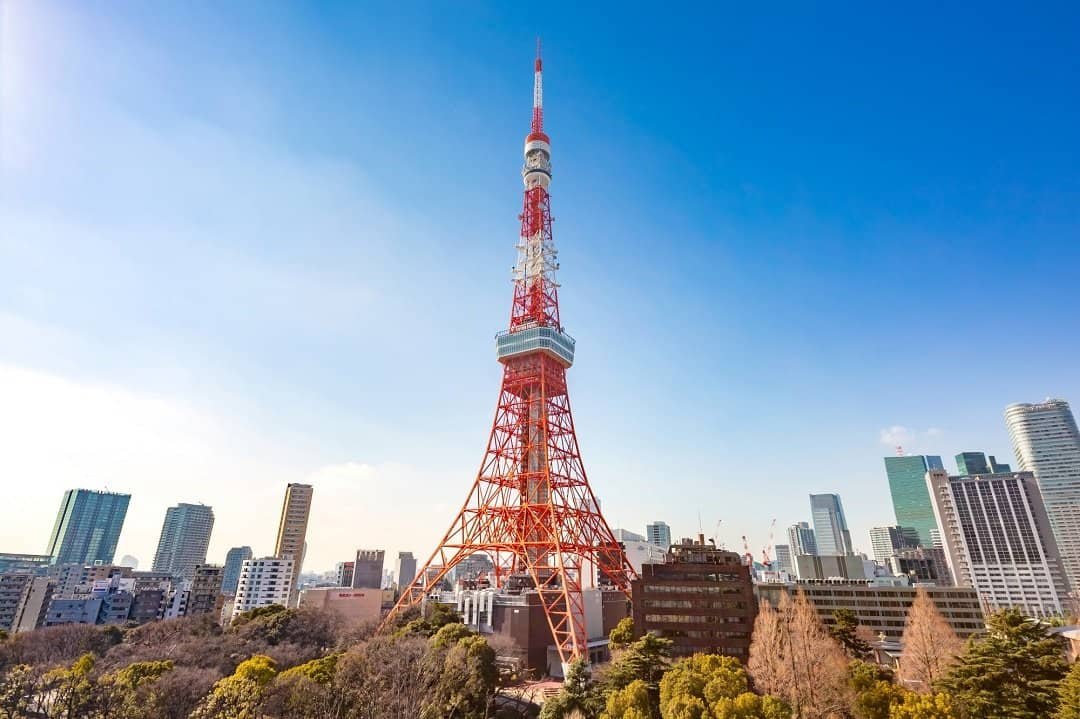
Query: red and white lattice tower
point(531, 510)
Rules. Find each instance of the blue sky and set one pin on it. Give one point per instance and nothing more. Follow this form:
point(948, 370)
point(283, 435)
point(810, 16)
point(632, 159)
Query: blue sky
point(261, 243)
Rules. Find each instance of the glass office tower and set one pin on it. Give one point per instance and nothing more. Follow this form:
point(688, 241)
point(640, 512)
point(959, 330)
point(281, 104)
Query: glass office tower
point(88, 527)
point(910, 497)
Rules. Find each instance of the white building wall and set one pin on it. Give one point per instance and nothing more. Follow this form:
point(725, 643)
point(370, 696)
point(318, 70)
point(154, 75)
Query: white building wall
point(991, 528)
point(263, 582)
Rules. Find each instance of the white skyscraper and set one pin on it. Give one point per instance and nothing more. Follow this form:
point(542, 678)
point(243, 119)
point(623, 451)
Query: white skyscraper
point(1047, 443)
point(998, 540)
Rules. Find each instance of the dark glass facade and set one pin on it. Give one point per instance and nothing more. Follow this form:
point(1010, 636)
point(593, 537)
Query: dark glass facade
point(88, 527)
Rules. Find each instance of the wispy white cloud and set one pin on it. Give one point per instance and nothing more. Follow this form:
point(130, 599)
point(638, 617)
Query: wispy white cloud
point(912, 440)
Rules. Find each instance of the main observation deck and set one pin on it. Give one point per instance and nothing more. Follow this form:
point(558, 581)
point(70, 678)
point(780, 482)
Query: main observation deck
point(525, 340)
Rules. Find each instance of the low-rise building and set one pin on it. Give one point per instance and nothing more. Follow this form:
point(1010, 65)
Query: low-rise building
point(24, 563)
point(881, 606)
point(517, 614)
point(829, 566)
point(355, 606)
point(701, 597)
point(924, 565)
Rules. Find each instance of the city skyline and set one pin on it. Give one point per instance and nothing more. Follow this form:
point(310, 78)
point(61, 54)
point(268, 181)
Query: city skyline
point(198, 324)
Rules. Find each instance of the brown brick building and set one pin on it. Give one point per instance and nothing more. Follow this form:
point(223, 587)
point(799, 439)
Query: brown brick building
point(702, 598)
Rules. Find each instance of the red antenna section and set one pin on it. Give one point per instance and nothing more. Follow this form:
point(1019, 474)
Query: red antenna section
point(531, 509)
point(537, 128)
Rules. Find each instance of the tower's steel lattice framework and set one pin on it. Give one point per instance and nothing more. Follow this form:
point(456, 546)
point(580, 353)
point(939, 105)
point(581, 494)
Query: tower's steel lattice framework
point(531, 509)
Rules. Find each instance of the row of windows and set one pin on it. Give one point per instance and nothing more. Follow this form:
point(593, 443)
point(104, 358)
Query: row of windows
point(692, 604)
point(683, 589)
point(693, 619)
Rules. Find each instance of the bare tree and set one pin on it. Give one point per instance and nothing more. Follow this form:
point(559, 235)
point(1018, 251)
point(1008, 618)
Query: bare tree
point(769, 664)
point(930, 646)
point(794, 657)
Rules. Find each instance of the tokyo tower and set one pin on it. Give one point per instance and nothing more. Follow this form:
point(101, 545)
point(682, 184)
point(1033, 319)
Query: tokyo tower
point(531, 509)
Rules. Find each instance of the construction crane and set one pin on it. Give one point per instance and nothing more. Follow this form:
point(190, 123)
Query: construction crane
point(767, 550)
point(748, 556)
point(716, 535)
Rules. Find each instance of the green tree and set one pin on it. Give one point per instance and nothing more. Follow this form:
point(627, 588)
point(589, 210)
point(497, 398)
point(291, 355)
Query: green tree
point(467, 681)
point(437, 616)
point(875, 694)
point(1013, 672)
point(319, 670)
point(751, 706)
point(238, 696)
point(622, 634)
point(845, 629)
point(129, 692)
point(721, 686)
point(630, 702)
point(19, 692)
point(450, 634)
point(709, 677)
point(1069, 695)
point(72, 691)
point(647, 659)
point(686, 707)
point(924, 706)
point(579, 694)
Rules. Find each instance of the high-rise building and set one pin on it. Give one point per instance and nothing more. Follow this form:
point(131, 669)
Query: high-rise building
point(368, 569)
point(830, 525)
point(1047, 443)
point(998, 540)
point(263, 581)
point(887, 541)
point(292, 531)
point(972, 463)
point(801, 539)
point(88, 527)
point(784, 561)
point(406, 569)
point(910, 498)
point(234, 559)
point(658, 533)
point(185, 535)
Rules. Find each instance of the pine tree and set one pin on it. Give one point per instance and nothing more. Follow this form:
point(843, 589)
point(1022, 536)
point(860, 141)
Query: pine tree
point(1014, 672)
point(1069, 695)
point(845, 629)
point(930, 646)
